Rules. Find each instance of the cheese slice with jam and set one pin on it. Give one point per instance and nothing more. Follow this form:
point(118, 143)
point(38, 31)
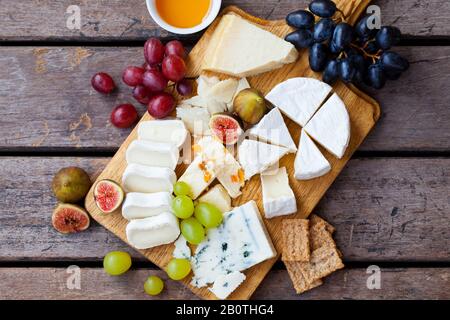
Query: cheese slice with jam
point(299, 98)
point(256, 156)
point(330, 126)
point(278, 197)
point(240, 48)
point(309, 162)
point(272, 129)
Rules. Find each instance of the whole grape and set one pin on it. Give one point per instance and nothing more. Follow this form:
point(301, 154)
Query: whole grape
point(318, 57)
point(300, 19)
point(103, 83)
point(375, 76)
point(161, 105)
point(360, 65)
point(363, 31)
point(346, 70)
point(394, 62)
point(342, 36)
point(124, 116)
point(175, 47)
point(184, 87)
point(323, 8)
point(388, 37)
point(331, 73)
point(153, 51)
point(323, 30)
point(301, 38)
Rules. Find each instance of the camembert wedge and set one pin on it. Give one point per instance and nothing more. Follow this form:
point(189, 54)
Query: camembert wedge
point(278, 197)
point(330, 126)
point(240, 48)
point(309, 162)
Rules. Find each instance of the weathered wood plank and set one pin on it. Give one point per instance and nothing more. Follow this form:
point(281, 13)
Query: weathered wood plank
point(48, 101)
point(51, 283)
point(119, 20)
point(383, 210)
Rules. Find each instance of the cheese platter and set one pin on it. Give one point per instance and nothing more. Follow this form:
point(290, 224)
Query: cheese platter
point(266, 178)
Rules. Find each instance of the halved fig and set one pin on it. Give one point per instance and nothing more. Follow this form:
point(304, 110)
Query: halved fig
point(70, 218)
point(108, 195)
point(226, 127)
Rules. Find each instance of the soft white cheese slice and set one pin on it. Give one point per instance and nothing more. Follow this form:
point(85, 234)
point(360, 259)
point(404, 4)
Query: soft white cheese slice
point(153, 231)
point(240, 48)
point(227, 170)
point(278, 197)
point(299, 98)
point(226, 284)
point(182, 250)
point(218, 197)
point(196, 101)
point(240, 242)
point(204, 84)
point(196, 119)
point(224, 90)
point(155, 154)
point(165, 131)
point(143, 205)
point(145, 179)
point(215, 106)
point(198, 176)
point(256, 156)
point(330, 126)
point(309, 162)
point(272, 129)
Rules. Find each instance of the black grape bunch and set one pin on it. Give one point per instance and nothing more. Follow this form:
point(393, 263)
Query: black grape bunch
point(356, 54)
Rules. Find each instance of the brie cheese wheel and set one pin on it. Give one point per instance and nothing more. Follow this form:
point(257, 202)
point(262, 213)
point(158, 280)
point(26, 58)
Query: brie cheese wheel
point(227, 170)
point(154, 154)
point(145, 179)
point(299, 98)
point(143, 205)
point(309, 162)
point(198, 176)
point(196, 119)
point(165, 131)
point(278, 197)
point(226, 284)
point(330, 126)
point(256, 156)
point(153, 231)
point(272, 129)
point(240, 242)
point(218, 197)
point(182, 250)
point(240, 48)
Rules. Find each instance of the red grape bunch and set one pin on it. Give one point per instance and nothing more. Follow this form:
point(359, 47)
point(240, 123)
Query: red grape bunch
point(357, 54)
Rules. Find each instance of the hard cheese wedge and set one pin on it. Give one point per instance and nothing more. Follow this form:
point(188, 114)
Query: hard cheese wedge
point(140, 178)
point(272, 129)
point(153, 154)
point(299, 98)
point(240, 242)
point(218, 197)
point(256, 156)
point(166, 131)
point(278, 197)
point(330, 126)
point(225, 285)
point(309, 162)
point(240, 48)
point(153, 231)
point(143, 205)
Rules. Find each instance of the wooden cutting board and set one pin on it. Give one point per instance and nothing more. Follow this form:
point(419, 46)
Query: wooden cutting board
point(363, 111)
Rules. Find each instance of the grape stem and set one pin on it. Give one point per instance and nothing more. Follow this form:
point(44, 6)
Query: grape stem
point(374, 57)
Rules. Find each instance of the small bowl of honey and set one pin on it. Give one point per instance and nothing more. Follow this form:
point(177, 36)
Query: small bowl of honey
point(183, 16)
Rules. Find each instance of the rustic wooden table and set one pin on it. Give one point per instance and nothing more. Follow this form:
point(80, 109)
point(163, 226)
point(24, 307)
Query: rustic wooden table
point(391, 205)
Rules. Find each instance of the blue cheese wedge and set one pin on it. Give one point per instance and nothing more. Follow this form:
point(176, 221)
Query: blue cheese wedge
point(155, 154)
point(309, 162)
point(182, 250)
point(299, 98)
point(256, 156)
point(153, 231)
point(278, 197)
point(240, 242)
point(272, 129)
point(330, 126)
point(225, 285)
point(143, 205)
point(165, 131)
point(140, 178)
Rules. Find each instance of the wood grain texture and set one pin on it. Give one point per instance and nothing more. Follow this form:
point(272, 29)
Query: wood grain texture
point(47, 91)
point(384, 210)
point(119, 20)
point(363, 113)
point(51, 283)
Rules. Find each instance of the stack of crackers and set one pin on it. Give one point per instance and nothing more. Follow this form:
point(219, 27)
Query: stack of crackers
point(309, 251)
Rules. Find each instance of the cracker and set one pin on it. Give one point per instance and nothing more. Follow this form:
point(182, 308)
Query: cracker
point(295, 238)
point(324, 261)
point(314, 219)
point(297, 277)
point(319, 236)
